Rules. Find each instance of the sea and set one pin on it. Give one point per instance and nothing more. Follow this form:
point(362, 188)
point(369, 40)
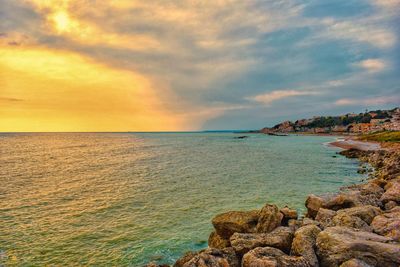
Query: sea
point(125, 199)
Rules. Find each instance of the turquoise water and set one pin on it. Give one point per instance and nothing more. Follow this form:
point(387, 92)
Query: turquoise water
point(102, 199)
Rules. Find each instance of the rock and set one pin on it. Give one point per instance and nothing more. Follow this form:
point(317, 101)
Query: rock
point(325, 216)
point(304, 242)
point(280, 238)
point(216, 241)
point(341, 201)
point(350, 221)
point(388, 224)
point(392, 191)
point(269, 219)
point(313, 204)
point(214, 258)
point(152, 264)
point(271, 257)
point(307, 221)
point(231, 222)
point(336, 245)
point(355, 263)
point(390, 205)
point(288, 214)
point(185, 258)
point(365, 213)
point(294, 224)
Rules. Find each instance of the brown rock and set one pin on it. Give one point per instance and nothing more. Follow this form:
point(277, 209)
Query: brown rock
point(216, 241)
point(185, 258)
point(392, 191)
point(365, 213)
point(214, 258)
point(350, 221)
point(294, 224)
point(355, 263)
point(307, 221)
point(336, 245)
point(152, 264)
point(313, 204)
point(271, 257)
point(269, 219)
point(231, 222)
point(388, 224)
point(280, 238)
point(325, 216)
point(342, 201)
point(390, 205)
point(288, 214)
point(304, 242)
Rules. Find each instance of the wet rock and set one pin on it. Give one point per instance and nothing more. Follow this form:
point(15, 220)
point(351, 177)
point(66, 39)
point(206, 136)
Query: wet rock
point(313, 204)
point(214, 258)
point(388, 224)
point(355, 263)
point(336, 245)
point(280, 238)
point(216, 241)
point(269, 219)
point(185, 258)
point(325, 216)
point(392, 191)
point(271, 257)
point(304, 242)
point(231, 222)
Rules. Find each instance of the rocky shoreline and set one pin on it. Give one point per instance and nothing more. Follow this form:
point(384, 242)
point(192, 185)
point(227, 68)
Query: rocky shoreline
point(357, 227)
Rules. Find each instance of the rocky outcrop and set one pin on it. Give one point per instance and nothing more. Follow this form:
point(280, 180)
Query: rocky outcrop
point(392, 191)
point(226, 224)
point(271, 257)
point(216, 241)
point(269, 218)
point(185, 258)
point(336, 245)
point(280, 238)
point(214, 258)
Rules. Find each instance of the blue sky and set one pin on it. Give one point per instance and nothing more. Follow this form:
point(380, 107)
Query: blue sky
point(230, 64)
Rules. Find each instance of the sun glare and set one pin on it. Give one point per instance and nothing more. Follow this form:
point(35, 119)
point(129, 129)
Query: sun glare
point(62, 21)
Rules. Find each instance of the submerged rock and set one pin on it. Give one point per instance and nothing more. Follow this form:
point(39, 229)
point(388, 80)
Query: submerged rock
point(226, 224)
point(270, 218)
point(280, 238)
point(304, 242)
point(335, 245)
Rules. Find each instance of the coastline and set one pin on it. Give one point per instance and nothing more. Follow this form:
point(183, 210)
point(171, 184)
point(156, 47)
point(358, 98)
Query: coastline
point(335, 231)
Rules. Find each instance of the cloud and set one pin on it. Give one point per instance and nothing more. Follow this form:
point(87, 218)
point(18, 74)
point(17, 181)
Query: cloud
point(268, 98)
point(382, 100)
point(372, 65)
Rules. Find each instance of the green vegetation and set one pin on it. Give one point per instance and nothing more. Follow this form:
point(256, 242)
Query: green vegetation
point(386, 136)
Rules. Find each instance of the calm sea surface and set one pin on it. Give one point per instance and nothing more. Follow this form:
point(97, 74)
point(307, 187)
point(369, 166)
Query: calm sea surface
point(104, 199)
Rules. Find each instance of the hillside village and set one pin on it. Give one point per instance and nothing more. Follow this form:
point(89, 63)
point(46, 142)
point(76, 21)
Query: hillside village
point(351, 123)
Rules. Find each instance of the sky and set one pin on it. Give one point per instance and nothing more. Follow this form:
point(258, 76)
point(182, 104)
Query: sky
point(171, 65)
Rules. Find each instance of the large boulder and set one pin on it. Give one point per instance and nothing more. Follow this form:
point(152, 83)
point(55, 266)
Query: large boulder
point(350, 221)
point(271, 257)
point(214, 258)
point(335, 245)
point(185, 258)
point(388, 224)
point(304, 242)
point(269, 218)
point(231, 222)
point(325, 216)
point(216, 241)
point(280, 238)
point(313, 204)
point(392, 192)
point(365, 213)
point(355, 263)
point(342, 201)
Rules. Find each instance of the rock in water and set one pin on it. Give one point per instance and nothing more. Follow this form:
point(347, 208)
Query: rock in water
point(214, 258)
point(304, 242)
point(388, 224)
point(280, 238)
point(335, 245)
point(231, 222)
point(269, 219)
point(185, 258)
